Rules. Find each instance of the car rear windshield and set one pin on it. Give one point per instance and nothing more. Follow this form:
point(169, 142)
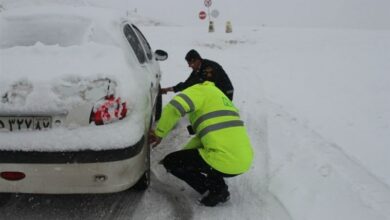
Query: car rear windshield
point(46, 30)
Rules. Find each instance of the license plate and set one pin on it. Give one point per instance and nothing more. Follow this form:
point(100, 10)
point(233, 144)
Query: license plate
point(25, 123)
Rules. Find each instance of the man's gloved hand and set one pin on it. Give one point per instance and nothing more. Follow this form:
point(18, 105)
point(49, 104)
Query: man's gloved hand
point(190, 130)
point(153, 139)
point(166, 90)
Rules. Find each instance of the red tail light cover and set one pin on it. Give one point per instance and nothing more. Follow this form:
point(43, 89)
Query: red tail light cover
point(108, 110)
point(13, 176)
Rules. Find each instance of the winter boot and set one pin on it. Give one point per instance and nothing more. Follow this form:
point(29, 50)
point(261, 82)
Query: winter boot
point(215, 197)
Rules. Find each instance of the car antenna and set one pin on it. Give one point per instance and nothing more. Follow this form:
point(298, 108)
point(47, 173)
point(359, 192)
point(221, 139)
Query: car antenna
point(108, 88)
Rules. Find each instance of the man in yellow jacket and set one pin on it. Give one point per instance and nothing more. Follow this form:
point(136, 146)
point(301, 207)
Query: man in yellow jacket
point(221, 147)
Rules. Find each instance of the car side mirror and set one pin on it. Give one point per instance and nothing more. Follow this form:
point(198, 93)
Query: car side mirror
point(160, 55)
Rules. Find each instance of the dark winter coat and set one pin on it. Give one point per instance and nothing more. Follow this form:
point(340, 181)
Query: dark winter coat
point(209, 71)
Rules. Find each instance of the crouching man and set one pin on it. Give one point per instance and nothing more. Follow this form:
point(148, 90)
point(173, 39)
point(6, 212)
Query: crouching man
point(221, 147)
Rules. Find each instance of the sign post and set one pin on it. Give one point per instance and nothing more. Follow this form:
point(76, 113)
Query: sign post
point(208, 3)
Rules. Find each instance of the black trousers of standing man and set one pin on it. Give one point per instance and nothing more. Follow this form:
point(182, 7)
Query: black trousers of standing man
point(190, 167)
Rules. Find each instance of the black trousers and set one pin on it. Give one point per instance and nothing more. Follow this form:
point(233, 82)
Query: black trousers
point(189, 166)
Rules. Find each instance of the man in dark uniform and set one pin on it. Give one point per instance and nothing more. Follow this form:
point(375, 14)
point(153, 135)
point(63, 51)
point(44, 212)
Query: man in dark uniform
point(202, 70)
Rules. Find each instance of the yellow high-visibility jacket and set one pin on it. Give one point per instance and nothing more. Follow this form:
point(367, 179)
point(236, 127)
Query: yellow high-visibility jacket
point(221, 137)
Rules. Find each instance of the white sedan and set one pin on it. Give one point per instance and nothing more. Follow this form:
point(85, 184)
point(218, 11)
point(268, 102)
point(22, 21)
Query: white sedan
point(78, 93)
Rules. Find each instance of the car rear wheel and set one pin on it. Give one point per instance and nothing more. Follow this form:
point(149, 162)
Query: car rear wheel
point(4, 198)
point(143, 182)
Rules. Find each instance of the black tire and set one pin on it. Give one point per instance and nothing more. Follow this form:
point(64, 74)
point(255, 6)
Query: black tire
point(158, 110)
point(143, 182)
point(4, 198)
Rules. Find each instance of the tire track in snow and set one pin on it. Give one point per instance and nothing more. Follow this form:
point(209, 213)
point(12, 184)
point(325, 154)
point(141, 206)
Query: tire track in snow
point(178, 201)
point(308, 169)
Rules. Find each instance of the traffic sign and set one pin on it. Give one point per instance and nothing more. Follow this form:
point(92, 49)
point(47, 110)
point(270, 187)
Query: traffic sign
point(202, 15)
point(214, 13)
point(207, 3)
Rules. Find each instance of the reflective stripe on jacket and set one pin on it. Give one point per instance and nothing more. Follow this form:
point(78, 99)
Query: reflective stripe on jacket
point(221, 137)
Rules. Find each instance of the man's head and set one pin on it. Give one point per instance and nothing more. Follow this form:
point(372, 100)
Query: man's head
point(193, 59)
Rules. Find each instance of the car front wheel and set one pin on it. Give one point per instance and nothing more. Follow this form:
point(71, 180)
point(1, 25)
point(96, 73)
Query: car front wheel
point(158, 111)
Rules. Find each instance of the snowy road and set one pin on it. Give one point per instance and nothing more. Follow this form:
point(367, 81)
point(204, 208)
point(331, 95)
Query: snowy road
point(315, 179)
point(123, 205)
point(25, 206)
point(160, 201)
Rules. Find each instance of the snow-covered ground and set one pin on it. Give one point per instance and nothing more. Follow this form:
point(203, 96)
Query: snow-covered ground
point(315, 102)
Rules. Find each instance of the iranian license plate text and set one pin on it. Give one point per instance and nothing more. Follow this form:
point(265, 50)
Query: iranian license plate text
point(24, 123)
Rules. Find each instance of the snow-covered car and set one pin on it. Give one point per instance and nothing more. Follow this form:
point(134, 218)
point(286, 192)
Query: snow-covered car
point(78, 93)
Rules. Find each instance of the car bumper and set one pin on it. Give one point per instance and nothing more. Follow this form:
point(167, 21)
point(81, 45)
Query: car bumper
point(75, 172)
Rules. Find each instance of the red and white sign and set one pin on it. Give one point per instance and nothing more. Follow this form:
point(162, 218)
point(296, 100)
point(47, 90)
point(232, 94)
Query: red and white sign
point(202, 15)
point(207, 3)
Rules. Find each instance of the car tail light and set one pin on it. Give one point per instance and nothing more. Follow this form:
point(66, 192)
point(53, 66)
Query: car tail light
point(9, 175)
point(108, 110)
